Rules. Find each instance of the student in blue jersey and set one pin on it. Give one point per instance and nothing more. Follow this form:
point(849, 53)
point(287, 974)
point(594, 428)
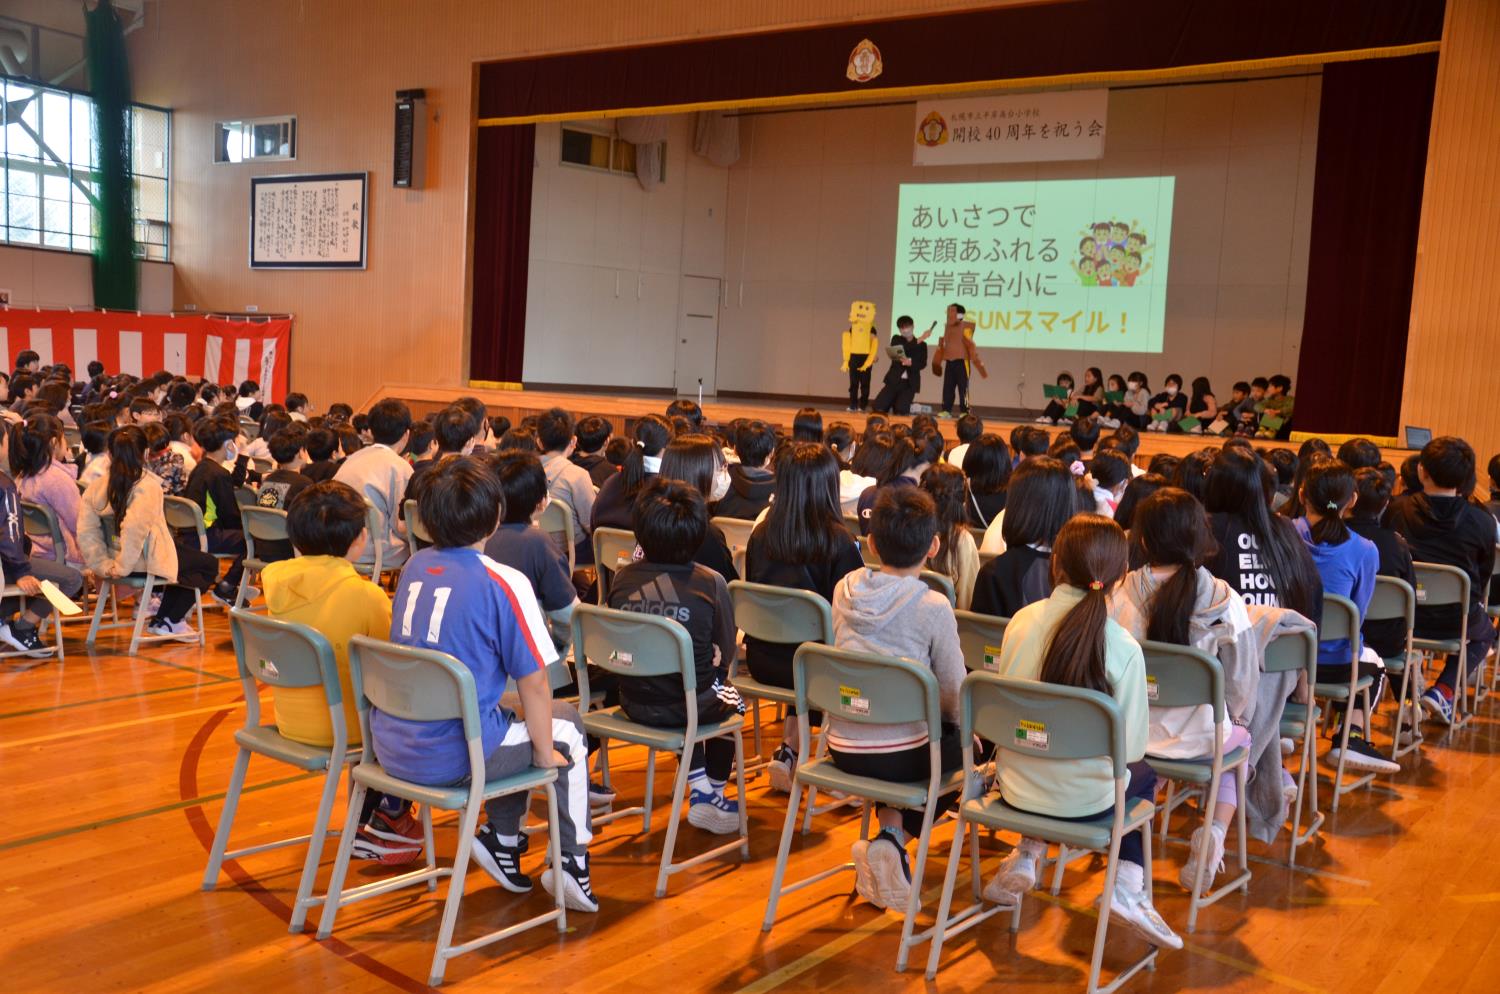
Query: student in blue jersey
point(454, 598)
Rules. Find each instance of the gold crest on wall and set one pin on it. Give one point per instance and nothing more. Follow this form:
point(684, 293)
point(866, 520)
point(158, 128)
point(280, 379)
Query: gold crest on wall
point(864, 62)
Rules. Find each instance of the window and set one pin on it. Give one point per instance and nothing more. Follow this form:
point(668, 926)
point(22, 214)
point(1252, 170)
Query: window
point(593, 150)
point(48, 181)
point(261, 139)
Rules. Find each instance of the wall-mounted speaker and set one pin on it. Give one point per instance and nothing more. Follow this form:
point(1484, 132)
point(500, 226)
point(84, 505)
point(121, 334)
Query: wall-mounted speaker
point(409, 169)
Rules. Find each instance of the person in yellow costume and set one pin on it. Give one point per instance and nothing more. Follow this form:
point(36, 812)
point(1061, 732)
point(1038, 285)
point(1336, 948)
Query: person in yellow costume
point(861, 342)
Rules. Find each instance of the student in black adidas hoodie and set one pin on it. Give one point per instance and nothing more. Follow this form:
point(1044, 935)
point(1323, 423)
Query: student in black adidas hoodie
point(750, 482)
point(1442, 526)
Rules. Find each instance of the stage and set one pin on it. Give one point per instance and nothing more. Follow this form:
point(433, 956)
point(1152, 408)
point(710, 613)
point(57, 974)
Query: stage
point(623, 409)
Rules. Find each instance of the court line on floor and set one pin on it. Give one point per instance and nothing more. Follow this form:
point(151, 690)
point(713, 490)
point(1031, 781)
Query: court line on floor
point(29, 712)
point(115, 725)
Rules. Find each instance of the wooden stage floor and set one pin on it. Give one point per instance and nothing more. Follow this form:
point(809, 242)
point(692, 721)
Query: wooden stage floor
point(116, 767)
point(623, 409)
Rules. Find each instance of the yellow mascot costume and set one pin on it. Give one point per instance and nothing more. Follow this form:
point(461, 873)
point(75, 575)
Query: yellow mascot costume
point(861, 342)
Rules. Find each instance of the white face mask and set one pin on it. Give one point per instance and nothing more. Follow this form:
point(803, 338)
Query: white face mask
point(721, 486)
point(1134, 385)
point(231, 452)
point(1171, 390)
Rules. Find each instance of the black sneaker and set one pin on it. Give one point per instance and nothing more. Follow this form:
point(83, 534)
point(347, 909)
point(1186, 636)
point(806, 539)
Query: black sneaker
point(1364, 757)
point(23, 639)
point(578, 893)
point(224, 593)
point(500, 861)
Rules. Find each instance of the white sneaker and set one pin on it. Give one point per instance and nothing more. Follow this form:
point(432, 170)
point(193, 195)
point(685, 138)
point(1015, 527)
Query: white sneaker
point(1044, 420)
point(1109, 422)
point(1288, 746)
point(1013, 880)
point(1207, 846)
point(864, 882)
point(889, 871)
point(1288, 789)
point(782, 768)
point(1135, 910)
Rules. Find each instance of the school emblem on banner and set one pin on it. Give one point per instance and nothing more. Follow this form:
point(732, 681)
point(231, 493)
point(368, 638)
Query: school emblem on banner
point(933, 131)
point(864, 62)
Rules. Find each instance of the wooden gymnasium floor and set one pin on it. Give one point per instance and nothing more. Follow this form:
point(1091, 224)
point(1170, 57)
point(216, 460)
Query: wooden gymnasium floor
point(114, 766)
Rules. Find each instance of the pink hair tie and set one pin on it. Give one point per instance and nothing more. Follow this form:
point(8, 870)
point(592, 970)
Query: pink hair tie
point(1095, 585)
point(1078, 468)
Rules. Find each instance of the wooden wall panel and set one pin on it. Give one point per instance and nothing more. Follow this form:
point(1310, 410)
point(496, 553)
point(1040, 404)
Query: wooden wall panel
point(337, 65)
point(1451, 363)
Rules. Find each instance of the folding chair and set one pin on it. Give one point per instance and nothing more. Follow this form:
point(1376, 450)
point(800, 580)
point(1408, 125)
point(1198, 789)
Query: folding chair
point(867, 551)
point(286, 656)
point(377, 569)
point(1393, 598)
point(1443, 586)
point(1290, 653)
point(1181, 676)
point(40, 521)
point(184, 515)
point(1341, 621)
point(613, 548)
point(250, 428)
point(427, 685)
point(1079, 724)
point(417, 531)
point(1493, 612)
point(980, 636)
point(557, 521)
point(147, 583)
point(245, 496)
point(261, 524)
point(942, 584)
point(628, 644)
point(262, 465)
point(867, 689)
point(737, 536)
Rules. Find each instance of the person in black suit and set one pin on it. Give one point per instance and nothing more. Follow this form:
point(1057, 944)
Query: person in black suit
point(903, 379)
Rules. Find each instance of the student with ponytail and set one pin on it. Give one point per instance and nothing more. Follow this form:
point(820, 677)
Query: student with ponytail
point(616, 499)
point(1069, 639)
point(1348, 564)
point(19, 631)
point(1173, 599)
point(44, 475)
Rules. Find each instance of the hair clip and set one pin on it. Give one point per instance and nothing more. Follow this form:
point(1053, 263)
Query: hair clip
point(1333, 505)
point(1096, 585)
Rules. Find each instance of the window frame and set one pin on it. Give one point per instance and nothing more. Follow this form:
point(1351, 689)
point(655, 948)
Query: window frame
point(247, 127)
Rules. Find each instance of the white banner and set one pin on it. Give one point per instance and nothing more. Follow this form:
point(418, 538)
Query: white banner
point(1028, 127)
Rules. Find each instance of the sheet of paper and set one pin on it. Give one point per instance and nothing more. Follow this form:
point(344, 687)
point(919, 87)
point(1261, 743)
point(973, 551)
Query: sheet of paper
point(59, 600)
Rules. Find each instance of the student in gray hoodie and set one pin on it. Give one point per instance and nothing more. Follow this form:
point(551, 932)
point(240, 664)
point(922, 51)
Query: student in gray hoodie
point(893, 612)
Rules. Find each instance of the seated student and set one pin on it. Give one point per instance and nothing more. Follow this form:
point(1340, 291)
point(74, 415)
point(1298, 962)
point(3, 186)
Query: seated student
point(890, 611)
point(379, 474)
point(320, 589)
point(612, 508)
point(1069, 639)
point(593, 434)
point(969, 427)
point(1171, 598)
point(614, 454)
point(697, 461)
point(297, 407)
point(280, 486)
point(1110, 473)
point(988, 467)
point(1171, 400)
point(688, 410)
point(1245, 415)
point(1359, 453)
point(38, 456)
point(1279, 401)
point(320, 446)
point(1493, 506)
point(1136, 491)
point(870, 461)
point(566, 480)
point(1441, 526)
point(453, 598)
point(1040, 503)
point(750, 480)
point(957, 557)
point(909, 459)
point(1084, 433)
point(841, 442)
point(1284, 464)
point(19, 569)
point(1127, 441)
point(521, 545)
point(211, 487)
point(1134, 408)
point(453, 431)
point(350, 442)
point(1026, 441)
point(807, 425)
point(272, 420)
point(180, 440)
point(1347, 563)
point(249, 396)
point(1201, 405)
point(94, 436)
point(1056, 409)
point(671, 523)
point(421, 446)
point(133, 497)
point(163, 460)
point(801, 543)
point(1238, 394)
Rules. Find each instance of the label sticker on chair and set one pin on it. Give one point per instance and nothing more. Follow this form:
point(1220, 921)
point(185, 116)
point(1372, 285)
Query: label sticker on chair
point(1153, 692)
point(269, 670)
point(1032, 735)
point(1421, 593)
point(622, 658)
point(992, 658)
point(852, 701)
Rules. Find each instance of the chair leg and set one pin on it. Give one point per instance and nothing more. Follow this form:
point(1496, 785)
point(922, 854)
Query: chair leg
point(1057, 871)
point(554, 852)
point(341, 863)
point(1102, 929)
point(226, 819)
point(305, 900)
point(740, 799)
point(782, 851)
point(950, 878)
point(679, 792)
point(914, 897)
point(456, 893)
point(198, 606)
point(427, 847)
point(105, 594)
point(1242, 782)
point(650, 791)
point(140, 617)
point(1195, 896)
point(974, 875)
point(755, 723)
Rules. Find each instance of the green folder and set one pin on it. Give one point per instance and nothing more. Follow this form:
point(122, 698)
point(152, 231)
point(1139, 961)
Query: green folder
point(1071, 411)
point(1054, 392)
point(1115, 396)
point(1260, 405)
point(1271, 422)
point(1188, 424)
point(1166, 415)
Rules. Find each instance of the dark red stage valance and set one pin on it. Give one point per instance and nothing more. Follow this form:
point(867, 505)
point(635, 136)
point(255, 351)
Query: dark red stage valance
point(502, 243)
point(1039, 40)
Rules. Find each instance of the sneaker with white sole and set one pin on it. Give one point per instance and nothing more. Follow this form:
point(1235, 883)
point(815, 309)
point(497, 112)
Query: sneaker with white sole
point(1288, 746)
point(391, 840)
point(890, 873)
point(1014, 879)
point(27, 640)
point(711, 811)
point(1044, 420)
point(599, 795)
point(864, 881)
point(782, 768)
point(179, 630)
point(1136, 911)
point(501, 861)
point(1363, 757)
point(578, 892)
point(1438, 705)
point(1288, 789)
point(1206, 847)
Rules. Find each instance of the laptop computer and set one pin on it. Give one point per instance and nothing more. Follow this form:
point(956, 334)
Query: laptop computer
point(1417, 437)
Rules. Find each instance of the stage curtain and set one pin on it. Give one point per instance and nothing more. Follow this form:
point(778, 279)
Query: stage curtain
point(1373, 123)
point(502, 243)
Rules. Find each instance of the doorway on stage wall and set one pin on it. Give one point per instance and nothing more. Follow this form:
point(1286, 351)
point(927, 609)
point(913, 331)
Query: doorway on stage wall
point(698, 336)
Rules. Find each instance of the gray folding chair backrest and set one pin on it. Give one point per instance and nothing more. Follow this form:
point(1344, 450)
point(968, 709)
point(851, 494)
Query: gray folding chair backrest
point(1182, 676)
point(1439, 585)
point(185, 516)
point(863, 687)
point(73, 436)
point(1393, 598)
point(285, 655)
point(1042, 720)
point(249, 428)
point(263, 524)
point(851, 522)
point(262, 465)
point(780, 614)
point(867, 550)
point(613, 548)
point(40, 521)
point(1340, 621)
point(628, 643)
point(942, 583)
point(980, 636)
point(1292, 651)
point(414, 684)
point(736, 531)
point(557, 521)
point(414, 523)
point(375, 526)
point(244, 496)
